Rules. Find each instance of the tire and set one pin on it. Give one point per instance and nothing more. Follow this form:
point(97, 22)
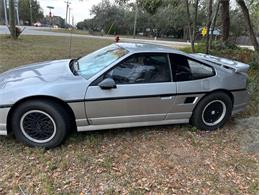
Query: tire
point(40, 123)
point(212, 112)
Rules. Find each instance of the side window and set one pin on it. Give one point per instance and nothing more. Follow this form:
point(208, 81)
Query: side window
point(141, 68)
point(199, 70)
point(185, 69)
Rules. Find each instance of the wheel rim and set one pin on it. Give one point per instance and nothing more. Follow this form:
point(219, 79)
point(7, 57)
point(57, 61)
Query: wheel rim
point(214, 112)
point(38, 126)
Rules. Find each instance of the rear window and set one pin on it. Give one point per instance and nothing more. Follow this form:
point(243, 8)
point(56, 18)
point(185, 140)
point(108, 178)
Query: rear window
point(186, 69)
point(199, 70)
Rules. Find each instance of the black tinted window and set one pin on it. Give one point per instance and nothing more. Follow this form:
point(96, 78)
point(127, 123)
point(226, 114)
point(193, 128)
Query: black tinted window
point(185, 69)
point(199, 70)
point(142, 68)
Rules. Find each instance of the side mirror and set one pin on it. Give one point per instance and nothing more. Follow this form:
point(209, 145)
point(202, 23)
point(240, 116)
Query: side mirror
point(108, 83)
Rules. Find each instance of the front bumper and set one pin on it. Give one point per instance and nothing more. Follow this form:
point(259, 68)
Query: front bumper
point(3, 120)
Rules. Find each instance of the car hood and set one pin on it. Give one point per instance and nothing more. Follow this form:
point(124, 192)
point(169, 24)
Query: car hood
point(43, 71)
point(52, 78)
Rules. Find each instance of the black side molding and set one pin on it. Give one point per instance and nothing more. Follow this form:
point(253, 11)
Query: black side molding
point(144, 96)
point(6, 106)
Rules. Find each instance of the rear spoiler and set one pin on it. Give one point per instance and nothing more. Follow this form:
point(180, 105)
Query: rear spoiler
point(226, 63)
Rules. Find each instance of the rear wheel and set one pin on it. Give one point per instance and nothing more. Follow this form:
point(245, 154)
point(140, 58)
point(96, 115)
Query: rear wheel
point(40, 123)
point(212, 111)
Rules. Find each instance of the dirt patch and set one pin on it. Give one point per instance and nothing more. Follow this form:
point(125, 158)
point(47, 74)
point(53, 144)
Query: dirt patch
point(167, 160)
point(249, 130)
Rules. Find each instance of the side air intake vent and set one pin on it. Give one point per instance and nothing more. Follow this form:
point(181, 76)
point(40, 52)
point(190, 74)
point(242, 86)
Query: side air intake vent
point(189, 100)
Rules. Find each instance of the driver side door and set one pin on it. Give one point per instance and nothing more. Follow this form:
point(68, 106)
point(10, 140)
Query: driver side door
point(143, 91)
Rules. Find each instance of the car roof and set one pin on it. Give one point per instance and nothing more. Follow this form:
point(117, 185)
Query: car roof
point(147, 47)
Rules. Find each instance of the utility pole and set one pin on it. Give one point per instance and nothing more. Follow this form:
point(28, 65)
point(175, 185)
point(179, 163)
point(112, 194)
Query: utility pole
point(67, 7)
point(6, 20)
point(30, 12)
point(69, 14)
point(135, 21)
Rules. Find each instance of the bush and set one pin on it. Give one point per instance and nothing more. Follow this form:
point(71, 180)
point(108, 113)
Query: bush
point(254, 61)
point(220, 45)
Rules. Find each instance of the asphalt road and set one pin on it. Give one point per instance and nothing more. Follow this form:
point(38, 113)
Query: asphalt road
point(30, 30)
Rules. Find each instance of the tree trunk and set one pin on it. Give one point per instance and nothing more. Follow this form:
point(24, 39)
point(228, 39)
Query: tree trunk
point(12, 19)
point(189, 24)
point(192, 24)
point(225, 19)
point(214, 24)
point(195, 24)
point(244, 9)
point(208, 25)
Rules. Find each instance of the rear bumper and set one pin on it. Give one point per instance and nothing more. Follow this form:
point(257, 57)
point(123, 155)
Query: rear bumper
point(3, 120)
point(241, 99)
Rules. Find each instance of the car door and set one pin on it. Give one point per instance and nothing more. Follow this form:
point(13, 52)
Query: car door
point(192, 80)
point(144, 91)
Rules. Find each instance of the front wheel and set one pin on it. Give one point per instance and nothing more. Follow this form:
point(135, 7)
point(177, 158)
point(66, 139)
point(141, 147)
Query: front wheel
point(212, 111)
point(40, 123)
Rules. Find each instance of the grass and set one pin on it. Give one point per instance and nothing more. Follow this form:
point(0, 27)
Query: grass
point(29, 49)
point(175, 159)
point(63, 30)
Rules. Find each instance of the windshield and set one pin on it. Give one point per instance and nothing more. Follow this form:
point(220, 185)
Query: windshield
point(94, 62)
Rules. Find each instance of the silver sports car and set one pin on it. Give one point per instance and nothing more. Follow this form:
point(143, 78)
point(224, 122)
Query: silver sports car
point(121, 85)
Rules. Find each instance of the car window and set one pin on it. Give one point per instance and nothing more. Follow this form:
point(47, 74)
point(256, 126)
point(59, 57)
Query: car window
point(199, 70)
point(94, 62)
point(142, 68)
point(185, 69)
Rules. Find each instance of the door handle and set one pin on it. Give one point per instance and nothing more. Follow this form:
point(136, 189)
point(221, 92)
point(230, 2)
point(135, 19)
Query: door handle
point(166, 97)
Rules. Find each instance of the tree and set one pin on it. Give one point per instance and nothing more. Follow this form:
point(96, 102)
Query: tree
point(214, 20)
point(2, 16)
point(245, 11)
point(208, 24)
point(225, 19)
point(12, 19)
point(24, 10)
point(107, 17)
point(149, 5)
point(192, 24)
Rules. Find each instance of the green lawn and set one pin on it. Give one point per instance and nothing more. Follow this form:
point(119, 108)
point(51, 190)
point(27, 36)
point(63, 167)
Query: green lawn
point(168, 159)
point(63, 30)
point(28, 49)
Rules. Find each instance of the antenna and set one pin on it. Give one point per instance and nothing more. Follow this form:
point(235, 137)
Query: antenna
point(70, 27)
point(70, 43)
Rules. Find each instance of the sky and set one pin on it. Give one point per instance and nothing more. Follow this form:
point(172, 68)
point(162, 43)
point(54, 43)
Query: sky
point(79, 9)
